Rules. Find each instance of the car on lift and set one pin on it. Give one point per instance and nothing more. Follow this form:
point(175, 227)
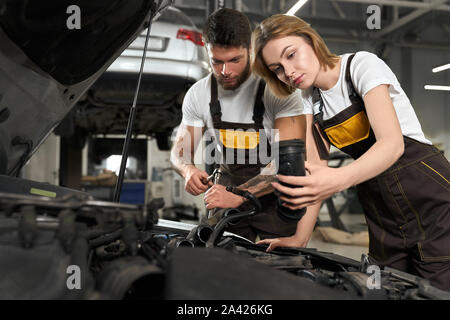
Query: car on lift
point(54, 240)
point(176, 59)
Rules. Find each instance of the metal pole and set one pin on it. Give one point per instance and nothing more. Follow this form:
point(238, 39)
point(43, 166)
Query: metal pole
point(131, 118)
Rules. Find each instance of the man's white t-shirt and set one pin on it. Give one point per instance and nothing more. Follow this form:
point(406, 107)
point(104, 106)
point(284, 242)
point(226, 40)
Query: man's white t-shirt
point(237, 105)
point(367, 72)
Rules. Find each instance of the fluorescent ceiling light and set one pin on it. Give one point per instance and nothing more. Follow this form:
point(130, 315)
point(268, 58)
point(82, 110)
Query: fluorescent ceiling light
point(441, 68)
point(296, 7)
point(443, 88)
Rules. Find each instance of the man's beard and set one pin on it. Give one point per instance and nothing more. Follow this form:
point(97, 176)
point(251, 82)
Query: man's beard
point(240, 80)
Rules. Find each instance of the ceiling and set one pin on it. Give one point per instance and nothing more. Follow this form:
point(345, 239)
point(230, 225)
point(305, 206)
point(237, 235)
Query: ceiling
point(404, 23)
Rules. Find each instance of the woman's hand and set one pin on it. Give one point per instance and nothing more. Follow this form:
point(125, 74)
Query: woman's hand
point(292, 241)
point(302, 235)
point(218, 197)
point(320, 184)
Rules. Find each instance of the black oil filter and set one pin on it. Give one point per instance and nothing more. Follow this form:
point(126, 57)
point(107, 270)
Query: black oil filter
point(291, 162)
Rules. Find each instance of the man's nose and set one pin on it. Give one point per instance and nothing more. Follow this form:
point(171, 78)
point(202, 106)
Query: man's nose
point(225, 70)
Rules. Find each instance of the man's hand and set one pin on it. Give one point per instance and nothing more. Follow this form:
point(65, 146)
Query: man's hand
point(196, 181)
point(218, 197)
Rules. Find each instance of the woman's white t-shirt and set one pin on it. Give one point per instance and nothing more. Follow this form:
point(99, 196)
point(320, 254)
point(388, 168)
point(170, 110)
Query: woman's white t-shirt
point(367, 72)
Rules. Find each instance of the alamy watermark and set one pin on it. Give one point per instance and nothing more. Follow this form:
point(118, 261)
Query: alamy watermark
point(373, 21)
point(74, 279)
point(74, 20)
point(374, 280)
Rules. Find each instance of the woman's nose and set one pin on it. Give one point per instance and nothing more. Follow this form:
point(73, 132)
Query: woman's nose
point(289, 72)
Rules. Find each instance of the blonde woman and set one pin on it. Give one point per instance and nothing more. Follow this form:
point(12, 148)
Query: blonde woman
point(355, 103)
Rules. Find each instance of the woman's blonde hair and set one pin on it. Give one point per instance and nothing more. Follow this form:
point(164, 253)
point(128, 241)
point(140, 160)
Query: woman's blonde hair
point(281, 25)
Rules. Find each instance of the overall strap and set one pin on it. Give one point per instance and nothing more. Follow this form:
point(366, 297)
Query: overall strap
point(318, 125)
point(216, 110)
point(258, 109)
point(214, 104)
point(321, 148)
point(353, 95)
point(317, 98)
point(318, 118)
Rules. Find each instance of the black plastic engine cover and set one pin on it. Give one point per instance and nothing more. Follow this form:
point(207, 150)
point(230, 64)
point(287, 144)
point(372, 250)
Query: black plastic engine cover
point(216, 274)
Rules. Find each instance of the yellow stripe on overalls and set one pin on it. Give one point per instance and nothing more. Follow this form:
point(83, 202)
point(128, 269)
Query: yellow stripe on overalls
point(238, 139)
point(350, 131)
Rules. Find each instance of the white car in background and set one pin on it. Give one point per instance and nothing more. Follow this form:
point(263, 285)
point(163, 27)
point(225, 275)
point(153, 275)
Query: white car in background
point(175, 49)
point(176, 59)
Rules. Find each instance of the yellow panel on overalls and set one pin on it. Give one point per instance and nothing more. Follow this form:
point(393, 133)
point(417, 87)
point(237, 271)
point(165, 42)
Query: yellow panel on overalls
point(350, 131)
point(238, 139)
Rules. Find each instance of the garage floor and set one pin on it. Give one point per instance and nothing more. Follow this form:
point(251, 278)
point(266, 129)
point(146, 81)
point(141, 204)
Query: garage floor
point(354, 223)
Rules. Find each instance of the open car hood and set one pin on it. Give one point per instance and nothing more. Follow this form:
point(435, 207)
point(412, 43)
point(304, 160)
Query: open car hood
point(45, 67)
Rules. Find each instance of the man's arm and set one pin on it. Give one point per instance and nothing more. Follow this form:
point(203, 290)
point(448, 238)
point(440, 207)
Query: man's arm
point(289, 128)
point(183, 150)
point(182, 158)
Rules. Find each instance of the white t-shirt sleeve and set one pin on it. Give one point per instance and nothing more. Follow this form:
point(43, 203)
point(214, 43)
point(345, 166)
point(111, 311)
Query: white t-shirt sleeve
point(191, 110)
point(283, 107)
point(368, 71)
point(307, 101)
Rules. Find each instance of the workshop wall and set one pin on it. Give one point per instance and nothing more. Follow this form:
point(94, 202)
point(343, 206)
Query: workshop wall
point(167, 183)
point(413, 66)
point(44, 164)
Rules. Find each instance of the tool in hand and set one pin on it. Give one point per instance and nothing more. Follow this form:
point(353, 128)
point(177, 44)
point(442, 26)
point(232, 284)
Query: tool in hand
point(215, 173)
point(215, 176)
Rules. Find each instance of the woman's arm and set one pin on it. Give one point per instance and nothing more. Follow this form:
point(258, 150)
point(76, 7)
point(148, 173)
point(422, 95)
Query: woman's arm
point(300, 239)
point(324, 182)
point(306, 225)
point(389, 139)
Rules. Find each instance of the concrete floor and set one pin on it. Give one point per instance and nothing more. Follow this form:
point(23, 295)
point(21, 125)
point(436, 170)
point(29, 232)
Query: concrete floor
point(355, 222)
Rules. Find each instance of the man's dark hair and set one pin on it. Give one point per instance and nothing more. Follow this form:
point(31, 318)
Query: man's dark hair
point(227, 27)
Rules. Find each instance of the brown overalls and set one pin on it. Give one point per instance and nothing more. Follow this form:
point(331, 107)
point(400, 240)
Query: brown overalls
point(243, 140)
point(407, 207)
